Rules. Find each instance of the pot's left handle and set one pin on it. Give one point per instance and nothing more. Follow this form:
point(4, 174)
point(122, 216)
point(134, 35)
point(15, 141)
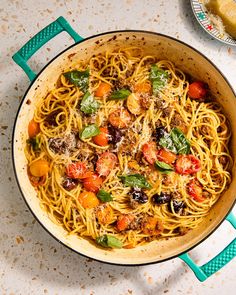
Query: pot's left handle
point(206, 270)
point(53, 29)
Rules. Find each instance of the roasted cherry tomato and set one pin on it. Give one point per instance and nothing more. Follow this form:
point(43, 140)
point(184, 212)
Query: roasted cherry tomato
point(143, 87)
point(166, 156)
point(103, 89)
point(88, 199)
point(124, 221)
point(77, 170)
point(39, 168)
point(195, 190)
point(187, 164)
point(120, 118)
point(106, 162)
point(149, 150)
point(197, 90)
point(33, 128)
point(92, 183)
point(102, 138)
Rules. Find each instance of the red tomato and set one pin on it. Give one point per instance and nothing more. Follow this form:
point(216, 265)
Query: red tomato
point(149, 150)
point(102, 138)
point(197, 89)
point(195, 190)
point(77, 170)
point(105, 163)
point(92, 183)
point(124, 221)
point(120, 118)
point(166, 156)
point(187, 164)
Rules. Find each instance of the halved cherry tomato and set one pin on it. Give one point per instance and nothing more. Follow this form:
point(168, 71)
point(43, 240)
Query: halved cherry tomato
point(104, 214)
point(149, 150)
point(92, 183)
point(88, 199)
point(151, 226)
point(166, 156)
point(39, 168)
point(197, 89)
point(124, 221)
point(195, 190)
point(143, 87)
point(33, 128)
point(187, 164)
point(102, 138)
point(103, 89)
point(105, 163)
point(120, 118)
point(77, 170)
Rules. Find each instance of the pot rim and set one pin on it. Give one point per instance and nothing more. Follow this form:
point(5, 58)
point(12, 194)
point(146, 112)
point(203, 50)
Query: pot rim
point(13, 142)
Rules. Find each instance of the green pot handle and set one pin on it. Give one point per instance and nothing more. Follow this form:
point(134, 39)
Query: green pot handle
point(206, 270)
point(53, 29)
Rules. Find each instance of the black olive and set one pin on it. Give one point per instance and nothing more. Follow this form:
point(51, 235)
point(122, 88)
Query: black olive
point(69, 183)
point(51, 118)
point(94, 160)
point(163, 198)
point(178, 206)
point(115, 134)
point(160, 132)
point(138, 195)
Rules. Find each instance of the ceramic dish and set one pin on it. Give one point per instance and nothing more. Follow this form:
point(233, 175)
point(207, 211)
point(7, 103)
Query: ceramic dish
point(190, 61)
point(201, 15)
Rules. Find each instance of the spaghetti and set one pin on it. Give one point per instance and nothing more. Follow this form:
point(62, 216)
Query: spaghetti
point(125, 151)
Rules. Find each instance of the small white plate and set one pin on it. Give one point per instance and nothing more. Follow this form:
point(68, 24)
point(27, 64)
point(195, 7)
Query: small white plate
point(202, 17)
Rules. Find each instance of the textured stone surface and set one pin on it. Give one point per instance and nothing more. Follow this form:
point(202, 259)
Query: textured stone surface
point(31, 261)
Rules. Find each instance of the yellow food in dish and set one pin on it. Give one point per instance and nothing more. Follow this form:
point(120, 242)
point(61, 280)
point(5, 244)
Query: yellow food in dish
point(226, 10)
point(126, 150)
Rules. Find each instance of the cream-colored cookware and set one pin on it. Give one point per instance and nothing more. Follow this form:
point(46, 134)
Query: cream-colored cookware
point(183, 56)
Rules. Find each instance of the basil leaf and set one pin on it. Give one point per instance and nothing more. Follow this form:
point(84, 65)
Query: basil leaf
point(108, 241)
point(89, 131)
point(163, 167)
point(180, 141)
point(135, 180)
point(167, 142)
point(34, 142)
point(104, 196)
point(88, 104)
point(120, 94)
point(158, 78)
point(78, 78)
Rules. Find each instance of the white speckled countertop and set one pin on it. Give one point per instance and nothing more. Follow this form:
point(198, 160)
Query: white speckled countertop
point(31, 261)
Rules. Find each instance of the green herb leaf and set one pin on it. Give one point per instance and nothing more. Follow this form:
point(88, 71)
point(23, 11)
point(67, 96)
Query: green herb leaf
point(108, 241)
point(135, 180)
point(104, 196)
point(163, 167)
point(180, 141)
point(89, 131)
point(158, 78)
point(34, 142)
point(176, 142)
point(88, 104)
point(120, 94)
point(167, 142)
point(78, 78)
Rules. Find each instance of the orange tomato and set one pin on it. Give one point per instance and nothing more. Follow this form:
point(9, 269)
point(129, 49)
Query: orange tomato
point(93, 183)
point(152, 226)
point(106, 163)
point(78, 170)
point(124, 221)
point(102, 138)
point(149, 150)
point(33, 128)
point(166, 156)
point(143, 87)
point(39, 168)
point(120, 118)
point(88, 199)
point(103, 89)
point(104, 214)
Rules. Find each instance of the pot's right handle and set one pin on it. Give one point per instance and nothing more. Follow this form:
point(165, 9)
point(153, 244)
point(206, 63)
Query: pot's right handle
point(206, 270)
point(46, 34)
